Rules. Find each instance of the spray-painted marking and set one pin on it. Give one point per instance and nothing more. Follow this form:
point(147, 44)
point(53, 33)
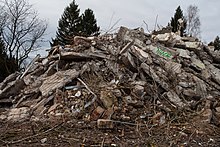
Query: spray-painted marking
point(163, 53)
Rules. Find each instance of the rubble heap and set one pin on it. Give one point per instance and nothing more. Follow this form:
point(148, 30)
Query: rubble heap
point(128, 77)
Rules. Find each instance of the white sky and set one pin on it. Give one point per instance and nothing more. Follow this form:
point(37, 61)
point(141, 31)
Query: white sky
point(132, 13)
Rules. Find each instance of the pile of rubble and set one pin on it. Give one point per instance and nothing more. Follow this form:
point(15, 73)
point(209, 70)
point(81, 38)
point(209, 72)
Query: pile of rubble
point(127, 77)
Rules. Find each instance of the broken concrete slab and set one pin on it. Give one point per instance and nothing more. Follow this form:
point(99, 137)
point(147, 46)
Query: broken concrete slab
point(19, 114)
point(8, 79)
point(12, 89)
point(57, 80)
point(175, 99)
point(147, 69)
point(215, 72)
point(162, 37)
point(141, 55)
point(199, 64)
point(183, 53)
point(193, 45)
point(124, 34)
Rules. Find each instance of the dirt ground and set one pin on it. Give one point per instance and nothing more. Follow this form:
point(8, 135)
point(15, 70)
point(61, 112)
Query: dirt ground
point(73, 132)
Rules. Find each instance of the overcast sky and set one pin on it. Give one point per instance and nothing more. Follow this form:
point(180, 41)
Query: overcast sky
point(132, 13)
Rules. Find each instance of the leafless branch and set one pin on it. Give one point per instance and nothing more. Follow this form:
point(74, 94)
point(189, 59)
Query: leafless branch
point(146, 26)
point(23, 31)
point(29, 137)
point(112, 27)
point(155, 23)
point(193, 21)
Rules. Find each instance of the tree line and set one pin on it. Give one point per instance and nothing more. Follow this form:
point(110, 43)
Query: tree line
point(21, 31)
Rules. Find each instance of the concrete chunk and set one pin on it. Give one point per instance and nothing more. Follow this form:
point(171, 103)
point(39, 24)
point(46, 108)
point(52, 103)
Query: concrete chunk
point(58, 80)
point(175, 99)
point(19, 114)
point(105, 124)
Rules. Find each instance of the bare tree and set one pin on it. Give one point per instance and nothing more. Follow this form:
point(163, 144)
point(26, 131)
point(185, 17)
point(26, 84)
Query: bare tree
point(21, 28)
point(193, 21)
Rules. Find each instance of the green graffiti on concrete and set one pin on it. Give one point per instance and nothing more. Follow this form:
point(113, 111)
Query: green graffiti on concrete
point(163, 53)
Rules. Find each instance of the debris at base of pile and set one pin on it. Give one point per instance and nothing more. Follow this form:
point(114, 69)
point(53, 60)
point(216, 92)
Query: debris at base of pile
point(132, 76)
point(19, 114)
point(105, 124)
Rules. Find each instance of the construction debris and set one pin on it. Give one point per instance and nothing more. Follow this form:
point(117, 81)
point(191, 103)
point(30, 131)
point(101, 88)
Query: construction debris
point(131, 76)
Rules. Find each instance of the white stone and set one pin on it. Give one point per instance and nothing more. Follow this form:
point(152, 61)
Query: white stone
point(44, 140)
point(129, 100)
point(193, 45)
point(45, 61)
point(163, 37)
point(138, 90)
point(184, 84)
point(78, 94)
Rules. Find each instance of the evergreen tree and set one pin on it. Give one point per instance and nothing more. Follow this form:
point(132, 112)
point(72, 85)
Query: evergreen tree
point(68, 25)
point(2, 47)
point(7, 65)
point(174, 21)
point(217, 43)
point(72, 24)
point(3, 59)
point(88, 25)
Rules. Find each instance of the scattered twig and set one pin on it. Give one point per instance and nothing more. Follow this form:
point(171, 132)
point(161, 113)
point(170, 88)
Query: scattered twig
point(102, 145)
point(190, 137)
point(23, 139)
point(86, 86)
point(132, 124)
point(70, 138)
point(95, 96)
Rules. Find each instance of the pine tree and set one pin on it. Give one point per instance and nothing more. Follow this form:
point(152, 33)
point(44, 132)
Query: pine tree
point(3, 59)
point(2, 47)
point(72, 24)
point(174, 21)
point(88, 25)
point(7, 65)
point(68, 25)
point(217, 43)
